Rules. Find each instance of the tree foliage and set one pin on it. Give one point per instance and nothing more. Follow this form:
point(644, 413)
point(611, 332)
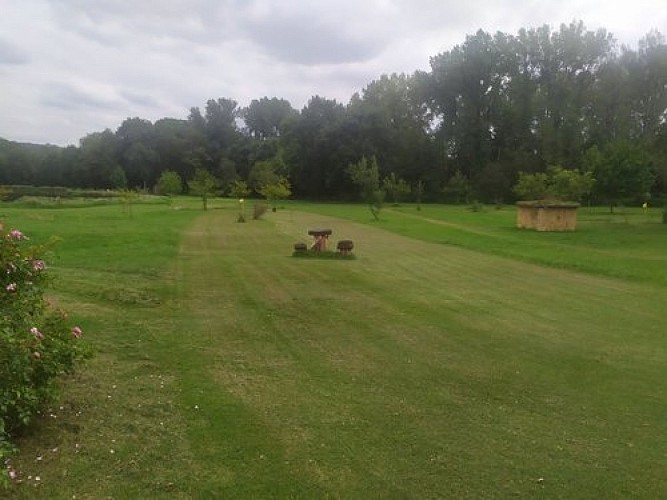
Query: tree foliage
point(280, 189)
point(169, 183)
point(457, 189)
point(366, 177)
point(487, 109)
point(238, 189)
point(203, 184)
point(395, 187)
point(623, 172)
point(556, 183)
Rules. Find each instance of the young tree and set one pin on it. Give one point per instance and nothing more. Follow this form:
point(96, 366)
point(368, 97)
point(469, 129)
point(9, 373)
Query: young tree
point(203, 184)
point(262, 174)
point(129, 197)
point(366, 176)
point(278, 190)
point(418, 191)
point(238, 189)
point(169, 183)
point(395, 187)
point(458, 188)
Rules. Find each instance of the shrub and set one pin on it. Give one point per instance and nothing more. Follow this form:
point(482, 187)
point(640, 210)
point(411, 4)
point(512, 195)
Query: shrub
point(13, 193)
point(37, 341)
point(258, 210)
point(169, 183)
point(556, 183)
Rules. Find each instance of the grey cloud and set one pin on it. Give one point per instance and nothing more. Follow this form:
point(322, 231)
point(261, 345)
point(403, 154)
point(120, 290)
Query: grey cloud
point(70, 98)
point(113, 23)
point(11, 54)
point(312, 44)
point(139, 99)
point(314, 34)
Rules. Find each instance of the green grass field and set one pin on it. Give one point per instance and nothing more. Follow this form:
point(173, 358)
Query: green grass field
point(454, 357)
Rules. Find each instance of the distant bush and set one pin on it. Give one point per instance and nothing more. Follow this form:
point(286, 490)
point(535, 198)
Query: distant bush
point(556, 183)
point(12, 193)
point(37, 342)
point(93, 193)
point(169, 183)
point(476, 206)
point(258, 210)
point(16, 192)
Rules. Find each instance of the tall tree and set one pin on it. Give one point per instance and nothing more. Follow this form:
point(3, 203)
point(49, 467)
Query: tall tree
point(315, 149)
point(99, 159)
point(221, 128)
point(266, 117)
point(623, 173)
point(392, 123)
point(137, 154)
point(176, 143)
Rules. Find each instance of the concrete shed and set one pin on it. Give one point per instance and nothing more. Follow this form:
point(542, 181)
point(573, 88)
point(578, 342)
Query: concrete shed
point(544, 215)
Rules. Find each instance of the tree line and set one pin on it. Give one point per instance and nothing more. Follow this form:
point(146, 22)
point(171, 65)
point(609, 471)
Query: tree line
point(489, 110)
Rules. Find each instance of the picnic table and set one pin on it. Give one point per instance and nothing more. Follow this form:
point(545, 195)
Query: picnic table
point(320, 236)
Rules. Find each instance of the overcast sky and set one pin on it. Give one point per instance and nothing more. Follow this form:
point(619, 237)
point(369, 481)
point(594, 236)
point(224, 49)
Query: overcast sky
point(72, 67)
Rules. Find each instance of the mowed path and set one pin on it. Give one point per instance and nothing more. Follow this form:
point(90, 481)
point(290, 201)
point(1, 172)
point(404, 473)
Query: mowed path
point(416, 370)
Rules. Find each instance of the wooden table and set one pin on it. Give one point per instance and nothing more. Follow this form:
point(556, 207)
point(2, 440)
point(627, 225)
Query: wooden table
point(321, 236)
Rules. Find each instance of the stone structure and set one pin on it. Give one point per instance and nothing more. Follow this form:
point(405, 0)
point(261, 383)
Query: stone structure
point(544, 215)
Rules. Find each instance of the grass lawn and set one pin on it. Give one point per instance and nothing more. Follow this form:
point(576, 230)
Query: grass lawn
point(628, 244)
point(227, 369)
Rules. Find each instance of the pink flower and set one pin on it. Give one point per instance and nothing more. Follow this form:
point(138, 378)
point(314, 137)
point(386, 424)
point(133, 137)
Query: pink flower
point(11, 287)
point(15, 234)
point(39, 335)
point(38, 265)
point(76, 331)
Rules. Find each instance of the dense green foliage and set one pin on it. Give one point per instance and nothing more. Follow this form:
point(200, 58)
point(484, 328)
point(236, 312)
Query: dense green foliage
point(203, 184)
point(169, 183)
point(555, 183)
point(275, 191)
point(489, 108)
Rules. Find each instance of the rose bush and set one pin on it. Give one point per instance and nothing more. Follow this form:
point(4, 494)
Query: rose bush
point(38, 343)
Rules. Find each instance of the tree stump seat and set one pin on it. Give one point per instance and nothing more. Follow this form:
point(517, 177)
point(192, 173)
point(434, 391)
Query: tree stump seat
point(345, 246)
